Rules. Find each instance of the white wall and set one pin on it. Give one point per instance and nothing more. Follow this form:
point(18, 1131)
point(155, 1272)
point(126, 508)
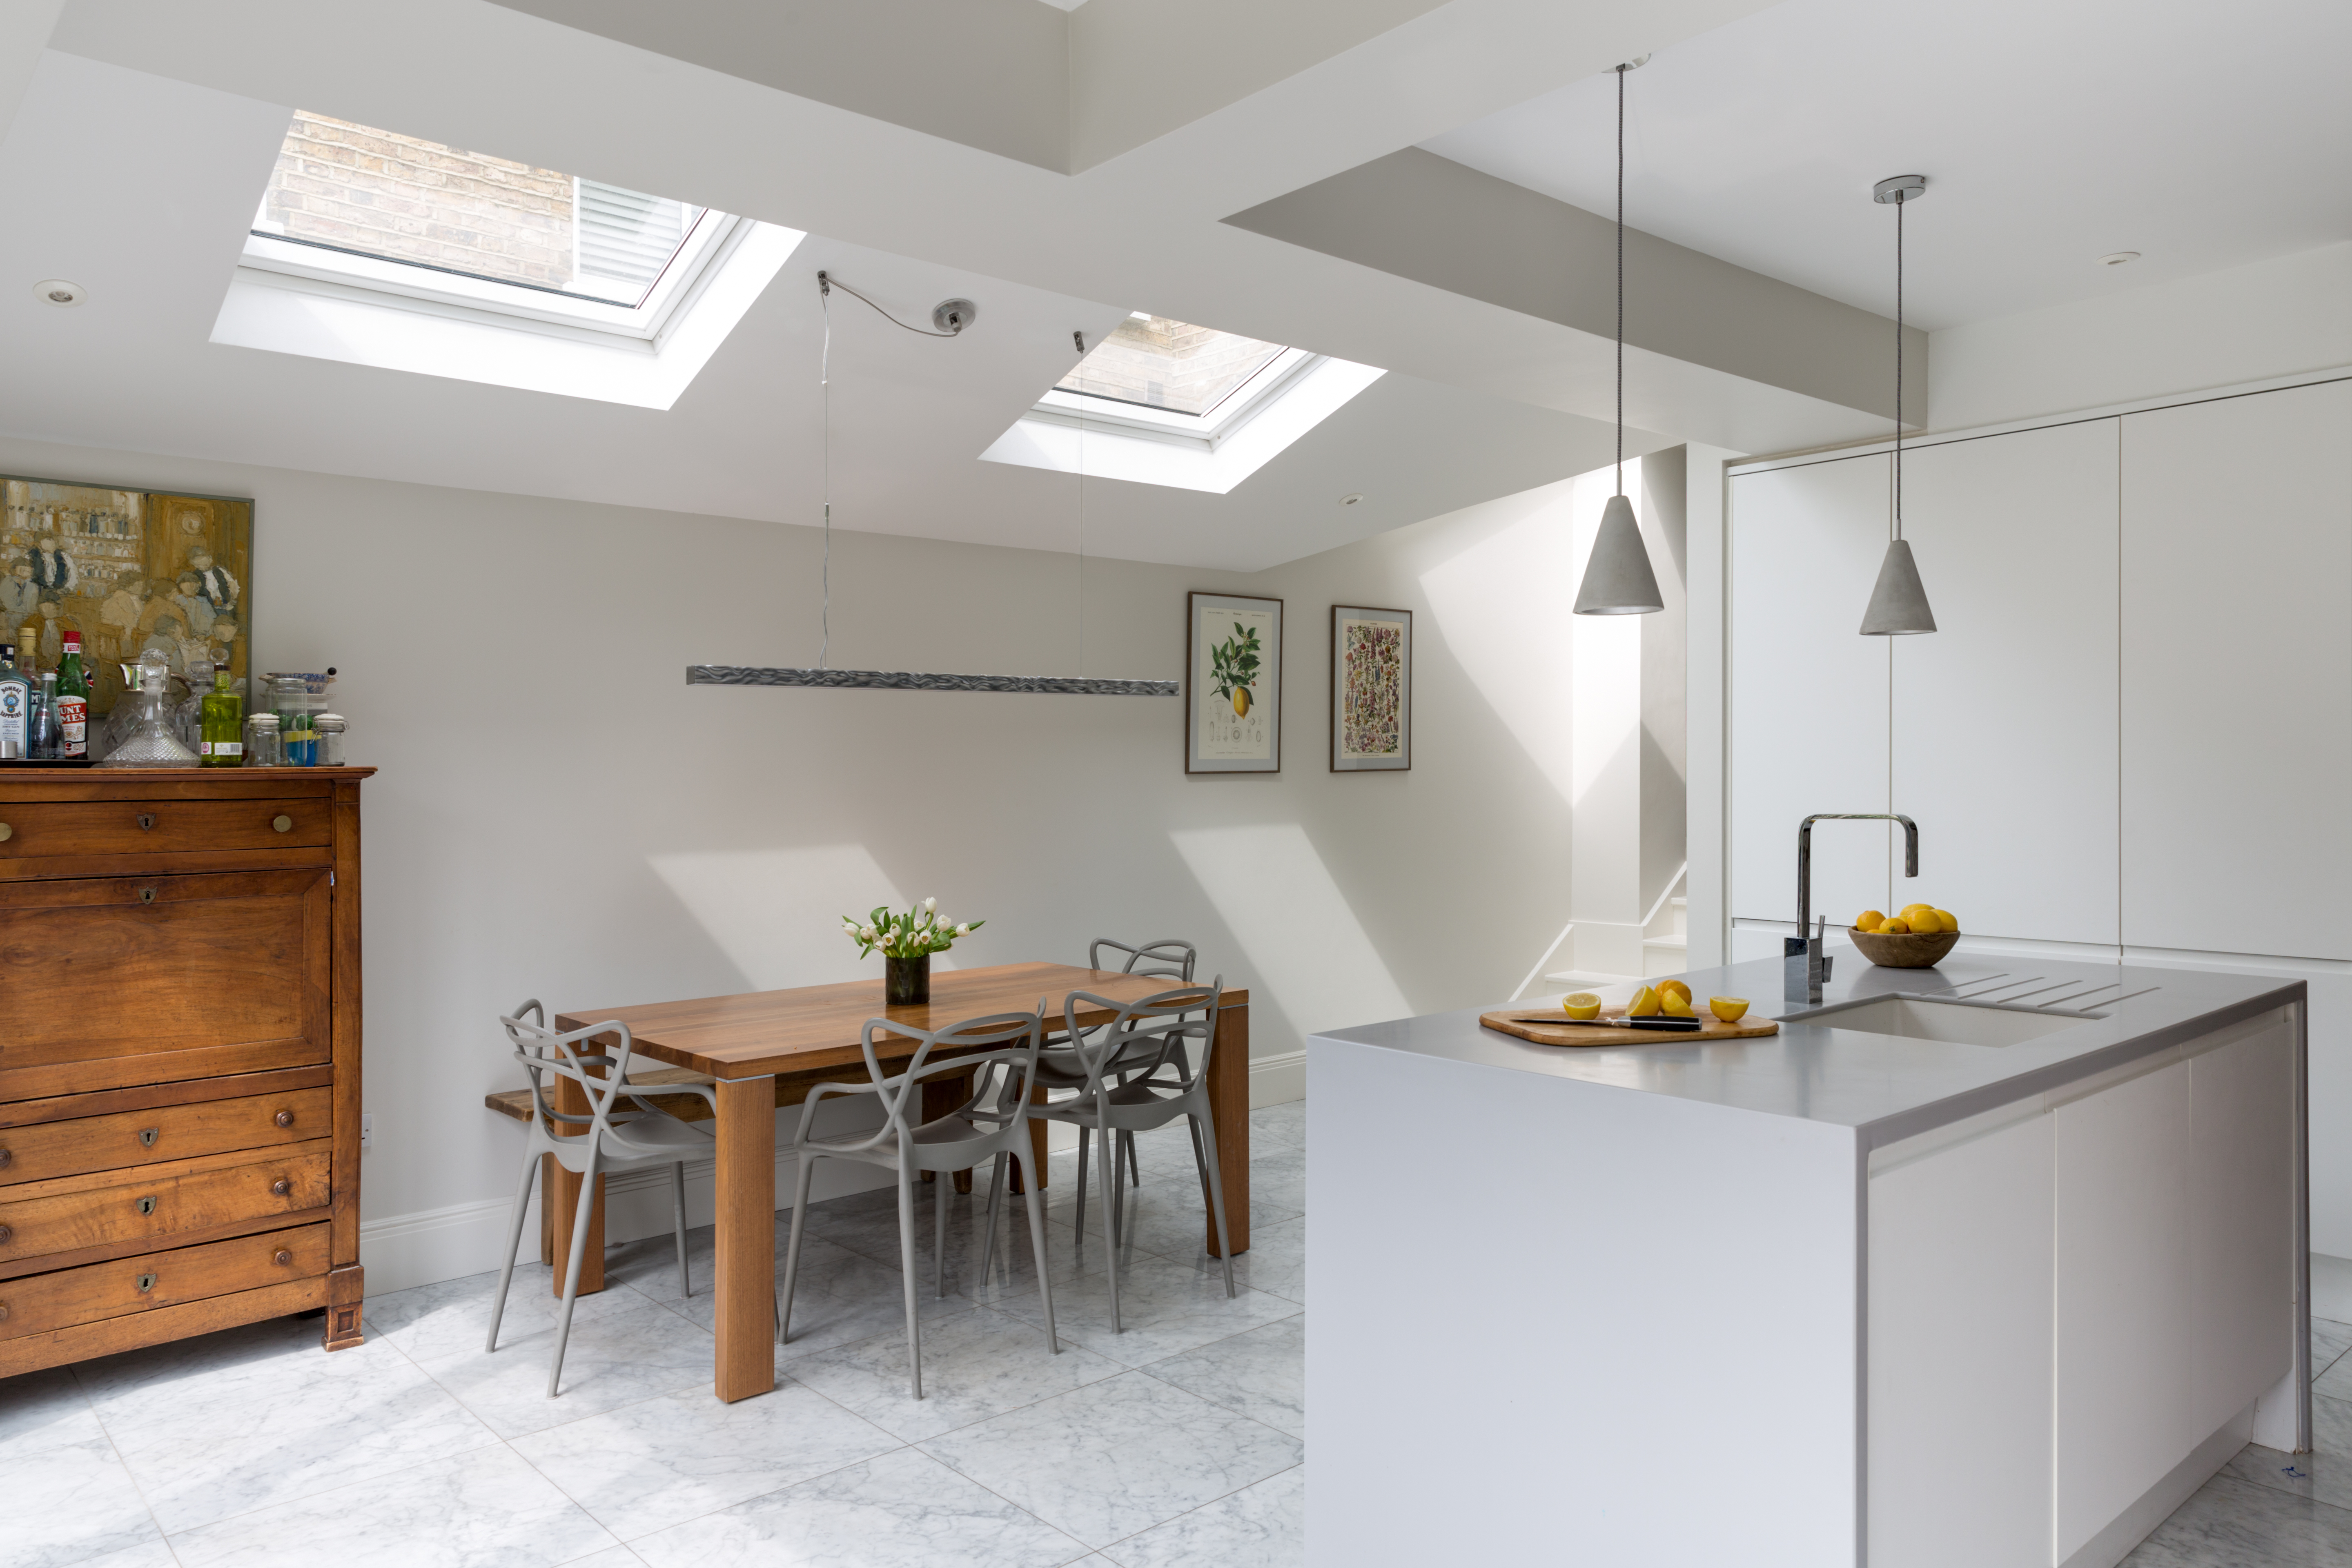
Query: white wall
point(557, 815)
point(2286, 316)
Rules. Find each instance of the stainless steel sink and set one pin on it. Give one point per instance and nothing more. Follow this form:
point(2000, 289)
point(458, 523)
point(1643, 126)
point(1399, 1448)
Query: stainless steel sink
point(1912, 1016)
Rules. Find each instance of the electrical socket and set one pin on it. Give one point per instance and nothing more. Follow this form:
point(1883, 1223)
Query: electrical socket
point(367, 1133)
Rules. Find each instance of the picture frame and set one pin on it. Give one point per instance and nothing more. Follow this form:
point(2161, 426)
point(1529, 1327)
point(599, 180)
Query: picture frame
point(1233, 684)
point(1371, 689)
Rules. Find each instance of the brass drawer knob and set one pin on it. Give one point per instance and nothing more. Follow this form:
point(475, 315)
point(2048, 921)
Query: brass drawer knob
point(7, 832)
point(282, 823)
point(284, 1119)
point(281, 1257)
point(6, 1159)
point(4, 1312)
point(281, 1187)
point(146, 822)
point(5, 1233)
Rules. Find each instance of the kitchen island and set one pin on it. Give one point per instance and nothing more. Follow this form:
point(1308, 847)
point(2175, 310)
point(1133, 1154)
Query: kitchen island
point(1915, 1280)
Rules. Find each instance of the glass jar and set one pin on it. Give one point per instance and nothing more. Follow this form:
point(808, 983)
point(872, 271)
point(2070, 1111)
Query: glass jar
point(330, 727)
point(289, 696)
point(261, 741)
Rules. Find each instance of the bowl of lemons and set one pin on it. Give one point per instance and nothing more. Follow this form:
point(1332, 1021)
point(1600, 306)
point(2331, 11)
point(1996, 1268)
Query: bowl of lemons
point(1915, 937)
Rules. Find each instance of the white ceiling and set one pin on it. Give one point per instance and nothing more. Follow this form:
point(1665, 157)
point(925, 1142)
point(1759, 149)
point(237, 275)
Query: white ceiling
point(2053, 132)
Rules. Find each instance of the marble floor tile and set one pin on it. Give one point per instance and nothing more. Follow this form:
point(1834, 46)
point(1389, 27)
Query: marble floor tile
point(1285, 1123)
point(261, 1432)
point(485, 1509)
point(977, 1366)
point(1260, 1373)
point(2323, 1476)
point(44, 1410)
point(88, 1507)
point(663, 1461)
point(611, 1557)
point(2337, 1381)
point(902, 1510)
point(623, 1348)
point(155, 1554)
point(2232, 1524)
point(2329, 1341)
point(1165, 1309)
point(821, 1321)
point(1278, 1181)
point(185, 1370)
point(1106, 1461)
point(1263, 1526)
point(453, 1316)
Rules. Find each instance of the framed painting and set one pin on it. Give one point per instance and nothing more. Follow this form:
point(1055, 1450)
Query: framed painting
point(128, 570)
point(1233, 685)
point(1371, 689)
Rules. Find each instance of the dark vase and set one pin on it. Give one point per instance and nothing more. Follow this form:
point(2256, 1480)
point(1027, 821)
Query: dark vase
point(907, 979)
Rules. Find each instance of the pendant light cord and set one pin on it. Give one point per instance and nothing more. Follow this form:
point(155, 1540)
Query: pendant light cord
point(825, 381)
point(1898, 367)
point(919, 331)
point(1621, 279)
point(1080, 338)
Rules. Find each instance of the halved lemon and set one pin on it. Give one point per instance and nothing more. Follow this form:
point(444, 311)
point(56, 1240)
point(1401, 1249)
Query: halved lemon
point(1645, 1004)
point(1676, 987)
point(1580, 1005)
point(1730, 1009)
point(1675, 1004)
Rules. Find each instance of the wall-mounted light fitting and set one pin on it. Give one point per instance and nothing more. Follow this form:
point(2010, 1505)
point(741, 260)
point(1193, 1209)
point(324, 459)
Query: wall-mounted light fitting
point(1898, 603)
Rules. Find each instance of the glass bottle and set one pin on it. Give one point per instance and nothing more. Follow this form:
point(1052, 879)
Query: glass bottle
point(150, 742)
point(73, 700)
point(16, 705)
point(47, 744)
point(330, 727)
point(261, 741)
point(298, 742)
point(224, 722)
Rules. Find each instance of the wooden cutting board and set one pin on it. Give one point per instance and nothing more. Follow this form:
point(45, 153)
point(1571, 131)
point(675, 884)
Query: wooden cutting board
point(1551, 1026)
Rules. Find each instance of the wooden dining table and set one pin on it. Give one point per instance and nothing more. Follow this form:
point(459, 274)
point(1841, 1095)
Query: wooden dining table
point(767, 1048)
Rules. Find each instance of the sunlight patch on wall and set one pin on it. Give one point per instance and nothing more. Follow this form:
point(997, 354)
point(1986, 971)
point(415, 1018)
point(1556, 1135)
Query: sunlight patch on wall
point(1277, 897)
point(776, 913)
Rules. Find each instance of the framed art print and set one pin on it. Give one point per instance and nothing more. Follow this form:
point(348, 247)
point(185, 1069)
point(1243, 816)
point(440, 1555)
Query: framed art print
point(1371, 689)
point(1233, 685)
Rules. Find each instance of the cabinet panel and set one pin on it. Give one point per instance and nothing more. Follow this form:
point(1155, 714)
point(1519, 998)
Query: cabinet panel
point(2004, 722)
point(2241, 1221)
point(47, 829)
point(2122, 1334)
point(69, 1147)
point(124, 980)
point(155, 1205)
point(1808, 693)
point(2237, 685)
point(1959, 1355)
point(44, 1303)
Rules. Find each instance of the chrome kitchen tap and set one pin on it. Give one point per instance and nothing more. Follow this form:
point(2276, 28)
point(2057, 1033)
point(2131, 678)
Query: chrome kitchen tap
point(1806, 986)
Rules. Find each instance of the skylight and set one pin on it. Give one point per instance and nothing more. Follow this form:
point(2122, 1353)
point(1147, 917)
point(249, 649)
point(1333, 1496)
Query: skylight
point(1154, 362)
point(378, 209)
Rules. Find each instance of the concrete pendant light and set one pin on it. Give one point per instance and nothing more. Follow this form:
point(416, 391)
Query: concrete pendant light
point(1898, 605)
point(1617, 577)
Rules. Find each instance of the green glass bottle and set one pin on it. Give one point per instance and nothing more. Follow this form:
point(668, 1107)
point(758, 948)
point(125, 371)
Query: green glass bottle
point(73, 700)
point(221, 737)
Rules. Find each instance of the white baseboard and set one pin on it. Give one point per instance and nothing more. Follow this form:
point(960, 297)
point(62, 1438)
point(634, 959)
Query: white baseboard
point(2331, 1287)
point(402, 1251)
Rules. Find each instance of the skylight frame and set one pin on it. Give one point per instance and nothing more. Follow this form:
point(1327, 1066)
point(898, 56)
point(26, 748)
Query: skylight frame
point(1255, 394)
point(328, 268)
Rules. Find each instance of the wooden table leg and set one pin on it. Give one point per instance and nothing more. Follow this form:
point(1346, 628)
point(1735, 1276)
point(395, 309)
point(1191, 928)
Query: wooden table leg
point(746, 1238)
point(1229, 1109)
point(560, 1197)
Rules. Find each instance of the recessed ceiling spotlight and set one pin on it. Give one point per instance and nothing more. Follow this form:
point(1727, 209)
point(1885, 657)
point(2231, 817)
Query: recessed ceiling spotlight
point(57, 291)
point(2118, 258)
point(1352, 500)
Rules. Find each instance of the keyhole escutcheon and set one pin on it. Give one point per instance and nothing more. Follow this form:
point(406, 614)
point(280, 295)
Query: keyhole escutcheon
point(146, 822)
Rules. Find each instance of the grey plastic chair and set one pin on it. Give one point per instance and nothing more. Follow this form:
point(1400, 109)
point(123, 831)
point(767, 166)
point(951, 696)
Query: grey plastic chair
point(634, 1135)
point(1170, 958)
point(989, 1125)
point(1139, 1075)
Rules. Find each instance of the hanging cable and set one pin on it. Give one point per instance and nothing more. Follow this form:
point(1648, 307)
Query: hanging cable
point(823, 279)
point(825, 381)
point(1898, 367)
point(1621, 278)
point(1080, 340)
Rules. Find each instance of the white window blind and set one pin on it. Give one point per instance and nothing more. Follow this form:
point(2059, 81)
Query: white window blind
point(627, 237)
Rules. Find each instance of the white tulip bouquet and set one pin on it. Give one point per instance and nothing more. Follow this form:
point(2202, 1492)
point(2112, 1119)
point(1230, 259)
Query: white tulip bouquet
point(911, 934)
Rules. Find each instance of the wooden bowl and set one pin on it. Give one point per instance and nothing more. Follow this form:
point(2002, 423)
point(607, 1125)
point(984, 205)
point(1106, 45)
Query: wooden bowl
point(1903, 950)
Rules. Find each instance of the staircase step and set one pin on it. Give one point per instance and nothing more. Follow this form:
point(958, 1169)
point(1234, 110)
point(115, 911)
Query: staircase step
point(1679, 939)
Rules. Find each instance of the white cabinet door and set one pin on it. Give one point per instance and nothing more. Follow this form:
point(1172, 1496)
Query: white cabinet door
point(2241, 1221)
point(2237, 674)
point(1960, 1353)
point(2122, 1323)
point(1808, 692)
point(2004, 721)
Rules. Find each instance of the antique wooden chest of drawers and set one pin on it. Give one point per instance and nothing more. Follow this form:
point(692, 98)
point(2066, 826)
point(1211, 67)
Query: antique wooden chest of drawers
point(179, 1054)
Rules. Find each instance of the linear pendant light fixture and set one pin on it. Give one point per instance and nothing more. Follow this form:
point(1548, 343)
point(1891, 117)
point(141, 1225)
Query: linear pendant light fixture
point(949, 318)
point(1898, 605)
point(1617, 576)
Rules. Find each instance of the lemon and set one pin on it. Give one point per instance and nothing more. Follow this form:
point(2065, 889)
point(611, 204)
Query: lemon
point(1241, 701)
point(1675, 1004)
point(1898, 926)
point(1868, 919)
point(1645, 1004)
point(1951, 922)
point(1730, 1009)
point(1908, 910)
point(1676, 987)
point(1580, 1005)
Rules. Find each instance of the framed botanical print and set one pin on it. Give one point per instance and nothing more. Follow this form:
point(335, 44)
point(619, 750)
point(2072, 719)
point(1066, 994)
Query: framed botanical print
point(1371, 689)
point(1233, 685)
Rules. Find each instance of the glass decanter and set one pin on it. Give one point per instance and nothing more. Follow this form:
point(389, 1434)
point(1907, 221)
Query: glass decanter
point(150, 742)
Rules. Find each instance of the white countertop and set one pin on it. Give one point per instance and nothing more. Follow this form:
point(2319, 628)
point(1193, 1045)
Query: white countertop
point(1884, 1087)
